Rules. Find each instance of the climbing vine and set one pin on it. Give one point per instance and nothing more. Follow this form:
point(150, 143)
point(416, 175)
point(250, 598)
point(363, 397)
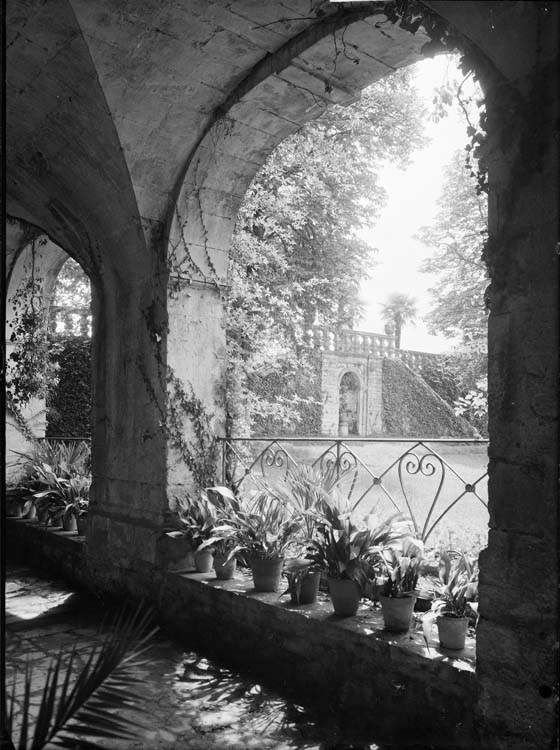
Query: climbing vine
point(199, 454)
point(31, 370)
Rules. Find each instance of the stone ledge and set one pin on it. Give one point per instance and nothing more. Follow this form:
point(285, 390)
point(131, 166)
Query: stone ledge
point(389, 686)
point(383, 683)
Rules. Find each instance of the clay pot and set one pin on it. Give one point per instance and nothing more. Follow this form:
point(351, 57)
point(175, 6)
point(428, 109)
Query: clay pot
point(308, 588)
point(203, 560)
point(224, 570)
point(345, 596)
point(452, 632)
point(267, 573)
point(397, 612)
point(31, 514)
point(69, 524)
point(81, 523)
point(13, 508)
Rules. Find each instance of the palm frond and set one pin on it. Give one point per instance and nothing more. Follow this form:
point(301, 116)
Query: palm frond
point(88, 705)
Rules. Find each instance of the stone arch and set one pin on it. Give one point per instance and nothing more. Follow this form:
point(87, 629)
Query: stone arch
point(84, 186)
point(221, 167)
point(38, 260)
point(284, 90)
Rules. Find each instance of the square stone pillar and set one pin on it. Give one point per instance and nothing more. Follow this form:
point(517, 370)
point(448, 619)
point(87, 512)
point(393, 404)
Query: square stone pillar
point(517, 638)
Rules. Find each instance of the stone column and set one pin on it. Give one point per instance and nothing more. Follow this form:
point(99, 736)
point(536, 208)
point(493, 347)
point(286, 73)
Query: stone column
point(517, 640)
point(128, 494)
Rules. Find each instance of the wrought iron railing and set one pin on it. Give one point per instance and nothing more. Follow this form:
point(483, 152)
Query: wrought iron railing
point(415, 477)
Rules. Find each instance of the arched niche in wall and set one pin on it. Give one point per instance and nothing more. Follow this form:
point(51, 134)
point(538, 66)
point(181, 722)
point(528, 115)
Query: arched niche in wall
point(349, 400)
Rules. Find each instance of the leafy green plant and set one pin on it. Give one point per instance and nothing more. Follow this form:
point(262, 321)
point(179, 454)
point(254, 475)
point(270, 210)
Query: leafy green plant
point(78, 705)
point(347, 547)
point(60, 496)
point(262, 526)
point(309, 491)
point(400, 566)
point(65, 459)
point(194, 517)
point(456, 587)
point(296, 571)
point(31, 369)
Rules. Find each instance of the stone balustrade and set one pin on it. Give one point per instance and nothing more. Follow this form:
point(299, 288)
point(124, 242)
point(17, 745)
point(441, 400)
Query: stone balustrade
point(346, 341)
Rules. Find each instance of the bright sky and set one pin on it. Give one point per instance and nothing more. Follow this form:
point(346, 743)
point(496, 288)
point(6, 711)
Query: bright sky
point(412, 204)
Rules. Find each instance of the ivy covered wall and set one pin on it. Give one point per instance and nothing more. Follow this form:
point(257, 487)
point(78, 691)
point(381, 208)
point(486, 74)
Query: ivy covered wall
point(69, 402)
point(282, 393)
point(412, 409)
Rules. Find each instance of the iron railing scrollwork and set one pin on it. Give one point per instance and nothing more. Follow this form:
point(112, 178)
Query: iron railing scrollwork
point(250, 463)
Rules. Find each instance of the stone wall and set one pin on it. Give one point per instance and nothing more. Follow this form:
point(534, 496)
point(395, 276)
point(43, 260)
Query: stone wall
point(368, 371)
point(381, 684)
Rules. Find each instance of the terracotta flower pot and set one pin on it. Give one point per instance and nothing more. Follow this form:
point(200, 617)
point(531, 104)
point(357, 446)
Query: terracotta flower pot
point(267, 573)
point(308, 588)
point(224, 570)
point(345, 596)
point(203, 560)
point(13, 508)
point(69, 524)
point(81, 523)
point(31, 514)
point(397, 612)
point(452, 632)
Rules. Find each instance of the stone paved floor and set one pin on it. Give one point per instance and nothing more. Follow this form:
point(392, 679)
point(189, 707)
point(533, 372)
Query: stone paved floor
point(190, 703)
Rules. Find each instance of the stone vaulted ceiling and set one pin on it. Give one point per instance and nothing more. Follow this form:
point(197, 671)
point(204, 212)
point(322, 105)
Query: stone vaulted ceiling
point(107, 101)
point(110, 102)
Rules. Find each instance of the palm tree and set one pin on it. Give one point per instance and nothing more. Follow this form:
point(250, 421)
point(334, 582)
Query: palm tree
point(398, 310)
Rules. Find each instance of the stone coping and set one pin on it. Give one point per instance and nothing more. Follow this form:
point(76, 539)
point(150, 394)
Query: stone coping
point(368, 621)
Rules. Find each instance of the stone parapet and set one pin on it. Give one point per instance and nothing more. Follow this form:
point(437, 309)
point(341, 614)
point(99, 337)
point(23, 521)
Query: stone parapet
point(390, 687)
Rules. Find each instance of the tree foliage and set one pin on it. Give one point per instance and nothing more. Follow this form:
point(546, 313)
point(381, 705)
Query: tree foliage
point(297, 258)
point(72, 301)
point(457, 238)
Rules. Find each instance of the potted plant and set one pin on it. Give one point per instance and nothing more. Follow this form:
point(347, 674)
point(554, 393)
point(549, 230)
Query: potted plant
point(226, 506)
point(303, 580)
point(194, 519)
point(263, 529)
point(18, 502)
point(400, 565)
point(63, 499)
point(456, 589)
point(308, 490)
point(346, 549)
